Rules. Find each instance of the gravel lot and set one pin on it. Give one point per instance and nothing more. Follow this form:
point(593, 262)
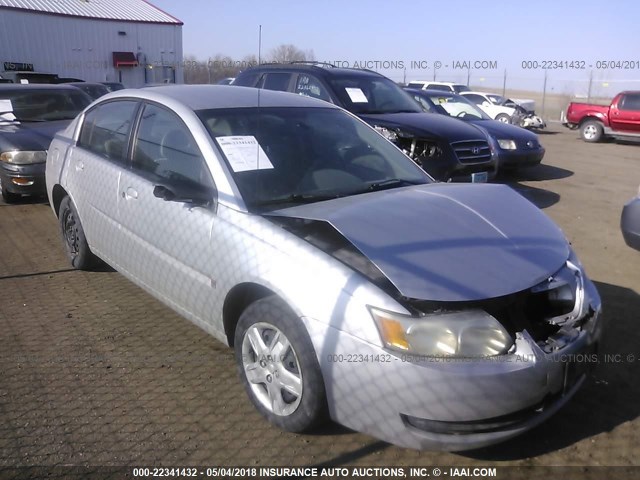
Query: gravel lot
point(93, 371)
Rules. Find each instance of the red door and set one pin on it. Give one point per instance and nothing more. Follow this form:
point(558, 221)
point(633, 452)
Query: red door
point(625, 116)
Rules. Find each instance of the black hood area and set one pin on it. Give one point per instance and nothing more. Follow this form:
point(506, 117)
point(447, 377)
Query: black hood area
point(29, 136)
point(505, 131)
point(427, 125)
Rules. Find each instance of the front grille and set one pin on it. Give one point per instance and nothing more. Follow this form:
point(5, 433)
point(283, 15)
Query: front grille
point(472, 151)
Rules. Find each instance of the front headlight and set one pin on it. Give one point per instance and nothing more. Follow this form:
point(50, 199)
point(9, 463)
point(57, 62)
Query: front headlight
point(507, 144)
point(24, 157)
point(469, 333)
point(386, 133)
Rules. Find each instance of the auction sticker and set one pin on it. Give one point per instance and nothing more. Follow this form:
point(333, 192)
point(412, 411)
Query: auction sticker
point(244, 153)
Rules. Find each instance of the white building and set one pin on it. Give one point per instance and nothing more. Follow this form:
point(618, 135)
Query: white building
point(127, 41)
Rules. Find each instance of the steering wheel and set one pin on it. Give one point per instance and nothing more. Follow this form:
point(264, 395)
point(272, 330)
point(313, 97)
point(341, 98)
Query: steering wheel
point(461, 114)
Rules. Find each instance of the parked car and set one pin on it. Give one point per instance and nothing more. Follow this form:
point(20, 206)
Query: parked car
point(524, 115)
point(447, 149)
point(630, 222)
point(430, 315)
point(442, 86)
point(619, 120)
point(496, 112)
point(113, 86)
point(94, 90)
point(515, 146)
point(23, 77)
point(30, 115)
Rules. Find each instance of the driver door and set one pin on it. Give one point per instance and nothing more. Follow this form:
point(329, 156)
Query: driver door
point(169, 243)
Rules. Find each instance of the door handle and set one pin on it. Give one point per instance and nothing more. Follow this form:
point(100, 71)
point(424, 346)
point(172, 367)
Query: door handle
point(130, 193)
point(79, 165)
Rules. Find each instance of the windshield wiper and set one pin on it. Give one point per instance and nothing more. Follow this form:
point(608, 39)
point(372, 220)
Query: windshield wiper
point(386, 184)
point(298, 198)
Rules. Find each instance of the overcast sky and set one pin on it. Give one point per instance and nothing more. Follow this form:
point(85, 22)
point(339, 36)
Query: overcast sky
point(385, 31)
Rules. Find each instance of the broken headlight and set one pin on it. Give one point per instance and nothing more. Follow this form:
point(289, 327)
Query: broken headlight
point(468, 333)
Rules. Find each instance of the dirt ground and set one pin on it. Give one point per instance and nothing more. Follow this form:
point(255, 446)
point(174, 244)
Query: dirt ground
point(93, 371)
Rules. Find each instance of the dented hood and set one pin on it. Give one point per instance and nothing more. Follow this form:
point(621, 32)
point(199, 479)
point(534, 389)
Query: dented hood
point(447, 242)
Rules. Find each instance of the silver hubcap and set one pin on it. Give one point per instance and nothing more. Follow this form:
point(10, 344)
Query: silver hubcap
point(590, 131)
point(503, 119)
point(272, 369)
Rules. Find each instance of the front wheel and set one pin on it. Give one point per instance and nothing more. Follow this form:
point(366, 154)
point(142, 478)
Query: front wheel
point(75, 242)
point(591, 131)
point(504, 118)
point(278, 366)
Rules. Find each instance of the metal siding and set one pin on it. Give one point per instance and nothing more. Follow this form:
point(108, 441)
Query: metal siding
point(130, 10)
point(83, 48)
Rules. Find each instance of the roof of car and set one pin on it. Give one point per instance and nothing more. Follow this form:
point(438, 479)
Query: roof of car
point(430, 82)
point(430, 91)
point(36, 86)
point(203, 97)
point(318, 68)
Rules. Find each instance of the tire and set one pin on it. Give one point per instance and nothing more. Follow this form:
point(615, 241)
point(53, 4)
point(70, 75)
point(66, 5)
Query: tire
point(504, 118)
point(75, 242)
point(591, 131)
point(9, 197)
point(264, 366)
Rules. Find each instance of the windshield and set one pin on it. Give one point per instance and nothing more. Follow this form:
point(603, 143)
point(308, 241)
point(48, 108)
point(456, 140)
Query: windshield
point(285, 156)
point(30, 105)
point(95, 91)
point(372, 94)
point(497, 99)
point(461, 88)
point(458, 106)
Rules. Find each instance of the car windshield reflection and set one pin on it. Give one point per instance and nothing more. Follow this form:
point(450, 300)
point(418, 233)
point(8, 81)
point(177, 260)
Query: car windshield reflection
point(284, 156)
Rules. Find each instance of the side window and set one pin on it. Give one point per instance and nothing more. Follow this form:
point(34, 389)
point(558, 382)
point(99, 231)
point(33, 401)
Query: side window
point(105, 130)
point(246, 80)
point(311, 87)
point(477, 99)
point(165, 148)
point(631, 101)
point(276, 81)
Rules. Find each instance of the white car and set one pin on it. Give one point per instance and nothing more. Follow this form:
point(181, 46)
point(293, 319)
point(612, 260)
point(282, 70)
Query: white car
point(349, 283)
point(443, 86)
point(484, 101)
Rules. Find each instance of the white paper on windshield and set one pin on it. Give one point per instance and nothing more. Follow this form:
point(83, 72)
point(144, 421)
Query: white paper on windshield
point(244, 153)
point(356, 95)
point(6, 111)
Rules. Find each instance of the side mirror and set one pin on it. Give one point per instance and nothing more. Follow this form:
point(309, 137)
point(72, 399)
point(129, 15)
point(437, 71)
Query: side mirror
point(194, 194)
point(486, 104)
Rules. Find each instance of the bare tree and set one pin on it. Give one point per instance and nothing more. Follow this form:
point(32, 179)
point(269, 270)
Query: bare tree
point(289, 53)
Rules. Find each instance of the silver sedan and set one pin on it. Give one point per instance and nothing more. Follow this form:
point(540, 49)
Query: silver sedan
point(349, 283)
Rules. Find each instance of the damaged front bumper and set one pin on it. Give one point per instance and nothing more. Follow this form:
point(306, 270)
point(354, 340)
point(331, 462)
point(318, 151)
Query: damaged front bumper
point(450, 403)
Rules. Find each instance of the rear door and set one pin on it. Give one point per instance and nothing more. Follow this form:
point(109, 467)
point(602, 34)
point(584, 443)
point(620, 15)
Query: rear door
point(168, 244)
point(94, 171)
point(625, 116)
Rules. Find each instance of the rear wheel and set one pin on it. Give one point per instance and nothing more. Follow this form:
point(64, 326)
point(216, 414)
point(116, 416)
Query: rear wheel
point(75, 242)
point(278, 366)
point(591, 131)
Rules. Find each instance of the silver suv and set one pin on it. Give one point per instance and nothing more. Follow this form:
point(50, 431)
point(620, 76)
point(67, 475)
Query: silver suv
point(350, 285)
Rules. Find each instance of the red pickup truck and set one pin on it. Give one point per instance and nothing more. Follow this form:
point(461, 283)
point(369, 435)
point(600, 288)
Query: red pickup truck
point(621, 119)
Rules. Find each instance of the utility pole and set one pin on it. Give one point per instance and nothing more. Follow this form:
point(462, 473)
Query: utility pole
point(504, 84)
point(544, 92)
point(468, 76)
point(590, 84)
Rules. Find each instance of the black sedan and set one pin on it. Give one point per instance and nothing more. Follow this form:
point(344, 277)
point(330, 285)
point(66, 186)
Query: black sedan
point(30, 116)
point(630, 222)
point(515, 146)
point(94, 90)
